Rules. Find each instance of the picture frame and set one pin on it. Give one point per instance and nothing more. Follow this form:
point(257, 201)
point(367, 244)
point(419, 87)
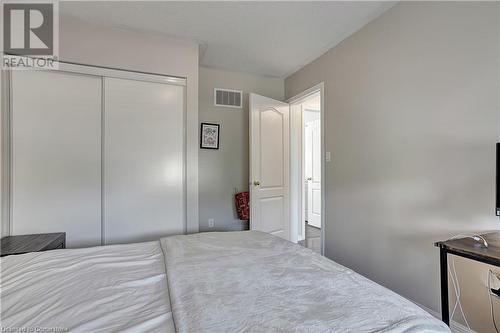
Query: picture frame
point(209, 136)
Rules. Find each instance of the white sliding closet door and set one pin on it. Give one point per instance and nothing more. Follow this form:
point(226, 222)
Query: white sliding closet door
point(56, 155)
point(143, 160)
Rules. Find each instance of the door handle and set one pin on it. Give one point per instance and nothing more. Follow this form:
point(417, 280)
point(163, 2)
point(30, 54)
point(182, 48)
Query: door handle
point(309, 178)
point(256, 183)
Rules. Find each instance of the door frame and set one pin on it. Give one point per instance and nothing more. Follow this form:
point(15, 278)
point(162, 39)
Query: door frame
point(297, 161)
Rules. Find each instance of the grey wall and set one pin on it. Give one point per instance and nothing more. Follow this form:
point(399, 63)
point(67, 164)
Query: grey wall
point(220, 171)
point(411, 114)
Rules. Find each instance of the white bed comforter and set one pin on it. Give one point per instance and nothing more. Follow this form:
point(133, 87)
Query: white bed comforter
point(255, 282)
point(117, 288)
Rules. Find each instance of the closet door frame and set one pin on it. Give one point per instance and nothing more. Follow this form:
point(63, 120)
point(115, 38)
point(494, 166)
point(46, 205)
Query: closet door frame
point(97, 71)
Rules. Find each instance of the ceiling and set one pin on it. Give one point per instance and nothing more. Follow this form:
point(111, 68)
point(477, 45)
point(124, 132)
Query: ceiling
point(266, 38)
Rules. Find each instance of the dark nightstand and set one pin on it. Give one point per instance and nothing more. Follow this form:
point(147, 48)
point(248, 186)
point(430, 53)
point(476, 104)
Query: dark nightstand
point(32, 243)
point(470, 249)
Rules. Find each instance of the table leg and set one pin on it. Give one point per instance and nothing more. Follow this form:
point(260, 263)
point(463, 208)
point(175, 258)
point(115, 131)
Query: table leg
point(445, 310)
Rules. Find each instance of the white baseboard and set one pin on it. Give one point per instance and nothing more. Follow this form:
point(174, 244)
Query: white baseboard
point(459, 328)
point(454, 326)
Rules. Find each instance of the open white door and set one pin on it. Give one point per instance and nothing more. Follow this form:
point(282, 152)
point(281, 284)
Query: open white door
point(269, 166)
point(313, 154)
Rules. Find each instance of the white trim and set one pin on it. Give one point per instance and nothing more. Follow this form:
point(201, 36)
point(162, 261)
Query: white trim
point(185, 171)
point(117, 73)
point(120, 74)
point(296, 173)
point(320, 87)
point(306, 93)
point(302, 150)
point(5, 153)
point(103, 160)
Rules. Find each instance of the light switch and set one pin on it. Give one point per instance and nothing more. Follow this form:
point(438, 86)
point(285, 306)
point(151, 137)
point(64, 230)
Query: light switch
point(328, 156)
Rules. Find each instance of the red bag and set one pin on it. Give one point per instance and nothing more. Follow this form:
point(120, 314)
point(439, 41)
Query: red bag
point(242, 202)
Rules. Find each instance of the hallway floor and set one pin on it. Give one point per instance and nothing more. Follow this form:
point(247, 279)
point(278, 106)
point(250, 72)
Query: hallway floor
point(313, 238)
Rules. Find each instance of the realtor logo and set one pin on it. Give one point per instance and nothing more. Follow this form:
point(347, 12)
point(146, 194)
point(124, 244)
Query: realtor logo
point(29, 30)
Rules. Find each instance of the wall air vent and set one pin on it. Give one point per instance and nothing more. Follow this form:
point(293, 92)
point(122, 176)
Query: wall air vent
point(228, 98)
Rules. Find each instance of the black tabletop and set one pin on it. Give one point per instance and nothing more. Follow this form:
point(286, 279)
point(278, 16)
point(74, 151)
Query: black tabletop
point(472, 249)
point(29, 243)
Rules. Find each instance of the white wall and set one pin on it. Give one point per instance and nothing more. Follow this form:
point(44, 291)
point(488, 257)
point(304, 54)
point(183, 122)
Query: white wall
point(411, 115)
point(122, 49)
point(220, 171)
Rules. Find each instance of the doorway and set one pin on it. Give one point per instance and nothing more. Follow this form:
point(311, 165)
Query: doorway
point(280, 187)
point(307, 169)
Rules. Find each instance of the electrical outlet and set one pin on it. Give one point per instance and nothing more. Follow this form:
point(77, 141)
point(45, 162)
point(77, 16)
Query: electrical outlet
point(211, 223)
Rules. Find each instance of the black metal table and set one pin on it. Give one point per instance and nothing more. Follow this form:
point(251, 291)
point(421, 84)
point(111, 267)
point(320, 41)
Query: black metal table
point(470, 249)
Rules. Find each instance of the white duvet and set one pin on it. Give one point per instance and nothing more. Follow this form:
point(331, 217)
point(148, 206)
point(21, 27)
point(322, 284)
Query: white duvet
point(117, 288)
point(255, 282)
point(212, 282)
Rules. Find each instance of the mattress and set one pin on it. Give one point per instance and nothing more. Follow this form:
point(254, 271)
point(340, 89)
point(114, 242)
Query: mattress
point(255, 282)
point(117, 288)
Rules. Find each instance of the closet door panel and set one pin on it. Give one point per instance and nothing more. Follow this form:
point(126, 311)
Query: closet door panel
point(56, 155)
point(143, 161)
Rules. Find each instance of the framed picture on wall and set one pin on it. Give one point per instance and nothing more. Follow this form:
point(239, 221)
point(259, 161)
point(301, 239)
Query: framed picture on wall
point(209, 136)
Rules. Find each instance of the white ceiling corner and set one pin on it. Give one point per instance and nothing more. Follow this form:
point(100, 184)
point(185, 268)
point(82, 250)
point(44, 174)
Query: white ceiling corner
point(265, 38)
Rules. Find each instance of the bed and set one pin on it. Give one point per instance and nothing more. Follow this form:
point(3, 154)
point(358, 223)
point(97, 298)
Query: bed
point(208, 282)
